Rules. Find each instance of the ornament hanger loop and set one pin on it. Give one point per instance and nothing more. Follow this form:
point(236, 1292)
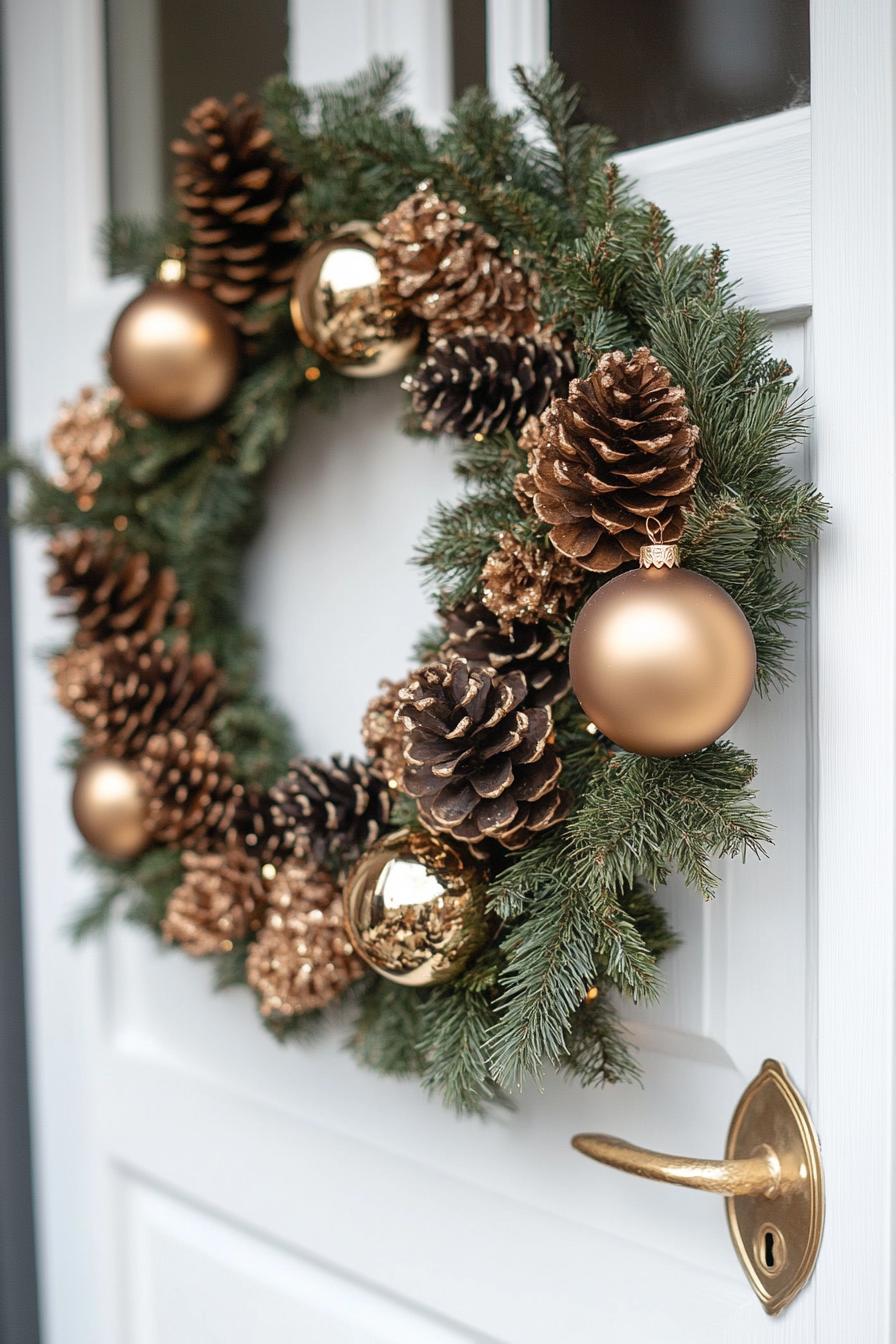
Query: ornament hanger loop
point(655, 529)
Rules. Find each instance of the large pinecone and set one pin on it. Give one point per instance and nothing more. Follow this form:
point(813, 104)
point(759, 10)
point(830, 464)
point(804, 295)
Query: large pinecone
point(616, 451)
point(219, 902)
point(482, 384)
point(84, 434)
point(333, 809)
point(128, 689)
point(109, 589)
point(190, 789)
point(480, 762)
point(441, 267)
point(477, 635)
point(234, 188)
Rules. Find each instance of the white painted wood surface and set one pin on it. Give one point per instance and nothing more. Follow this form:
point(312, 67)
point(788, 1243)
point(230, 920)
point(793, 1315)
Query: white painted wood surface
point(198, 1183)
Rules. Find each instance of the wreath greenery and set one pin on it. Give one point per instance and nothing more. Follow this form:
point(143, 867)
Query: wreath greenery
point(141, 500)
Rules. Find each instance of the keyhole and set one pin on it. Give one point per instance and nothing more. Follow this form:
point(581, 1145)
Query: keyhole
point(770, 1250)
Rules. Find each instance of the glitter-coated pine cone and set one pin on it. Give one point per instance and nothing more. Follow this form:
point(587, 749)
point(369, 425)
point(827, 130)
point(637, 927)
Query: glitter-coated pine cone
point(190, 789)
point(382, 736)
point(448, 271)
point(616, 451)
point(475, 633)
point(332, 809)
point(479, 761)
point(110, 589)
point(234, 188)
point(84, 434)
point(529, 582)
point(483, 384)
point(219, 901)
point(302, 959)
point(129, 688)
point(524, 485)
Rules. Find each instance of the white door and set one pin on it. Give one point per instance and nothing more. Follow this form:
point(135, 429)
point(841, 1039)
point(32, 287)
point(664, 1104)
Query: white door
point(199, 1184)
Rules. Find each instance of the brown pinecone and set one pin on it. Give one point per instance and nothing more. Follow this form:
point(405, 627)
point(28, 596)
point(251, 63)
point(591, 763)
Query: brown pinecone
point(111, 590)
point(523, 485)
point(302, 959)
point(443, 268)
point(252, 826)
point(333, 809)
point(475, 634)
point(129, 688)
point(190, 789)
point(480, 763)
point(616, 451)
point(382, 736)
point(483, 384)
point(84, 434)
point(525, 581)
point(219, 902)
point(234, 188)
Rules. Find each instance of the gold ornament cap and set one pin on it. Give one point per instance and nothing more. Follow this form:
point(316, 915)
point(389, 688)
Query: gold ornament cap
point(658, 554)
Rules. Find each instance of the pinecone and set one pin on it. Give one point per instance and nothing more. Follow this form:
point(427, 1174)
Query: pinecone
point(190, 789)
point(443, 268)
point(480, 763)
point(616, 451)
point(234, 188)
point(219, 902)
point(470, 384)
point(84, 434)
point(382, 736)
point(302, 959)
point(126, 690)
point(333, 810)
point(523, 485)
point(525, 581)
point(110, 589)
point(475, 634)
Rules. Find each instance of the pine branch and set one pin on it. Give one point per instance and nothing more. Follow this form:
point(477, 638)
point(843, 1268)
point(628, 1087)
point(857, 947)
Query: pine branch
point(455, 1026)
point(386, 1033)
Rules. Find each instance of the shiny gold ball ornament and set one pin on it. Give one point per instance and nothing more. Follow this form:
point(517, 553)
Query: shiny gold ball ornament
point(109, 804)
point(173, 352)
point(414, 910)
point(337, 309)
point(662, 660)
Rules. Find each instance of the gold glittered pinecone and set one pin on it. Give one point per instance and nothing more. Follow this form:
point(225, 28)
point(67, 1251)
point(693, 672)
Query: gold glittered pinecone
point(523, 484)
point(190, 789)
point(525, 581)
point(130, 688)
point(234, 188)
point(330, 809)
point(302, 959)
point(110, 589)
point(616, 451)
point(219, 901)
point(473, 632)
point(443, 268)
point(382, 736)
point(84, 434)
point(471, 384)
point(479, 761)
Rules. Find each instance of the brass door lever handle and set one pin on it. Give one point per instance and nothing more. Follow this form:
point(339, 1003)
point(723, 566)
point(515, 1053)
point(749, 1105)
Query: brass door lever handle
point(770, 1176)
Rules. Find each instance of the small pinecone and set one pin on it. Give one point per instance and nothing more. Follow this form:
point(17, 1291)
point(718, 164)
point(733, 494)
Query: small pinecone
point(111, 590)
point(475, 634)
point(441, 267)
point(333, 809)
point(252, 826)
point(190, 789)
point(480, 762)
point(616, 451)
point(234, 187)
point(523, 485)
point(126, 690)
point(302, 959)
point(84, 434)
point(523, 581)
point(382, 736)
point(484, 384)
point(219, 902)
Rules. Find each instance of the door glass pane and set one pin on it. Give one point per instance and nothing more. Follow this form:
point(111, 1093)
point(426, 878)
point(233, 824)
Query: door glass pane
point(654, 69)
point(163, 56)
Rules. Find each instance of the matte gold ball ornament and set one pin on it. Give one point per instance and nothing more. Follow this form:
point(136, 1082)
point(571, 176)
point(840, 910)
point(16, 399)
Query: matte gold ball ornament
point(109, 805)
point(661, 659)
point(414, 909)
point(337, 309)
point(173, 351)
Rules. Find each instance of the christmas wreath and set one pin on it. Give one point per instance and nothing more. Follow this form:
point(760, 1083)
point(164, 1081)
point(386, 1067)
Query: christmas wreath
point(477, 889)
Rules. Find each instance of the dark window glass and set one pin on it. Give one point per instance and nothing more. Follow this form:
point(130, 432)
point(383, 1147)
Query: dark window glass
point(654, 69)
point(163, 56)
point(468, 45)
